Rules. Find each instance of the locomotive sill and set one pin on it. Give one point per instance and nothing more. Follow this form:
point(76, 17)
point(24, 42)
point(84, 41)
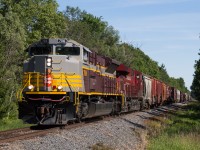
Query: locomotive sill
point(61, 93)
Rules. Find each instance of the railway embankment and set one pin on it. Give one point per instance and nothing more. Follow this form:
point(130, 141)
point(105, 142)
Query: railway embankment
point(177, 130)
point(138, 130)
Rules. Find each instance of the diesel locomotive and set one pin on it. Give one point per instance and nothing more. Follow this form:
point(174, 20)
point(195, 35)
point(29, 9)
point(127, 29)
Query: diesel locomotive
point(65, 81)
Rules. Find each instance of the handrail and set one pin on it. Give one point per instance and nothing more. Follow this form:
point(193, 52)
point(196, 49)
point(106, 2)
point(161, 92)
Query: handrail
point(70, 84)
point(76, 98)
point(28, 82)
point(19, 94)
point(38, 77)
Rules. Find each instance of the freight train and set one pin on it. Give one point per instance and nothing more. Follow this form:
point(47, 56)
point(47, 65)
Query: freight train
point(65, 81)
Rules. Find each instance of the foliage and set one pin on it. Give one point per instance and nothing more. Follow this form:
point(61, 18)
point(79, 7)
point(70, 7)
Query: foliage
point(89, 30)
point(22, 22)
point(12, 37)
point(41, 19)
point(196, 81)
point(178, 83)
point(7, 124)
point(26, 21)
point(182, 131)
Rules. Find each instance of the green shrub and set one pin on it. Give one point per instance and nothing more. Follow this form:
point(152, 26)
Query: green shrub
point(180, 133)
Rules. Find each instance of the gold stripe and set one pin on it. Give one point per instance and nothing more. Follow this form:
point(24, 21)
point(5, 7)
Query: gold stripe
point(64, 85)
point(72, 85)
point(96, 93)
point(101, 66)
point(91, 69)
point(70, 80)
point(57, 80)
point(105, 75)
point(67, 76)
point(75, 76)
point(46, 92)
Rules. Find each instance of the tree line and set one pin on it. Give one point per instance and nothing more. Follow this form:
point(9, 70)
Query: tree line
point(195, 87)
point(23, 22)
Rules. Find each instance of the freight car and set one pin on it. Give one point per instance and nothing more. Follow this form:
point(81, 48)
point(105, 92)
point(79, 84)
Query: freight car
point(65, 81)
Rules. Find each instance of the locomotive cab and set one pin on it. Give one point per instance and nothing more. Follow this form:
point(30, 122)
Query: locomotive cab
point(52, 77)
point(64, 81)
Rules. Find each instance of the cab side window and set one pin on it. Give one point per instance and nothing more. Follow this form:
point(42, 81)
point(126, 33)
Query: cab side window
point(74, 51)
point(85, 55)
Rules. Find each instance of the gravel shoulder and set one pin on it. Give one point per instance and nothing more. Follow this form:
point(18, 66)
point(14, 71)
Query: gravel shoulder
point(126, 132)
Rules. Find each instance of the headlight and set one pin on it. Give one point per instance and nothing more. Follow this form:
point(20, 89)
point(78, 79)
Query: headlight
point(49, 60)
point(30, 87)
point(48, 64)
point(60, 87)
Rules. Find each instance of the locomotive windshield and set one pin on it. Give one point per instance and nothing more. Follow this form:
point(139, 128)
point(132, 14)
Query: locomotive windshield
point(68, 51)
point(40, 51)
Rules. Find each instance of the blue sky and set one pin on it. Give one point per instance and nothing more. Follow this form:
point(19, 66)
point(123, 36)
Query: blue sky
point(166, 30)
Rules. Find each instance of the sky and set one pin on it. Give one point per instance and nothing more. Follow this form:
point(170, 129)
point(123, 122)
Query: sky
point(166, 30)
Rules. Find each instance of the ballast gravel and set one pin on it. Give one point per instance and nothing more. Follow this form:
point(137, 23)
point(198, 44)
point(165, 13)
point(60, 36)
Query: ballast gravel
point(126, 132)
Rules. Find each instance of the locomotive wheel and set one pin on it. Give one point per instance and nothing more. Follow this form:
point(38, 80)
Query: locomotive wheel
point(147, 106)
point(141, 105)
point(78, 120)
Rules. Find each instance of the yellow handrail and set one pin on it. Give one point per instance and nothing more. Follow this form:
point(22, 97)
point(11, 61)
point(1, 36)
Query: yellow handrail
point(28, 82)
point(70, 84)
point(19, 95)
point(38, 76)
point(76, 97)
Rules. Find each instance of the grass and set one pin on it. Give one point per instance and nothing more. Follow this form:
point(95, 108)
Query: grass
point(177, 131)
point(6, 124)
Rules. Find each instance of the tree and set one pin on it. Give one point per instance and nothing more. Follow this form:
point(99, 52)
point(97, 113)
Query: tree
point(41, 19)
point(22, 22)
point(90, 30)
point(12, 39)
point(195, 88)
point(163, 74)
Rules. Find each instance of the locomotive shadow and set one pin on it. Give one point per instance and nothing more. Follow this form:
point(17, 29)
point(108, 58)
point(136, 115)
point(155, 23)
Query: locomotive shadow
point(161, 111)
point(149, 118)
point(93, 120)
point(44, 127)
point(133, 123)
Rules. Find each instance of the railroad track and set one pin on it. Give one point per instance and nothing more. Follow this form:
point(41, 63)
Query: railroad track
point(38, 131)
point(22, 133)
